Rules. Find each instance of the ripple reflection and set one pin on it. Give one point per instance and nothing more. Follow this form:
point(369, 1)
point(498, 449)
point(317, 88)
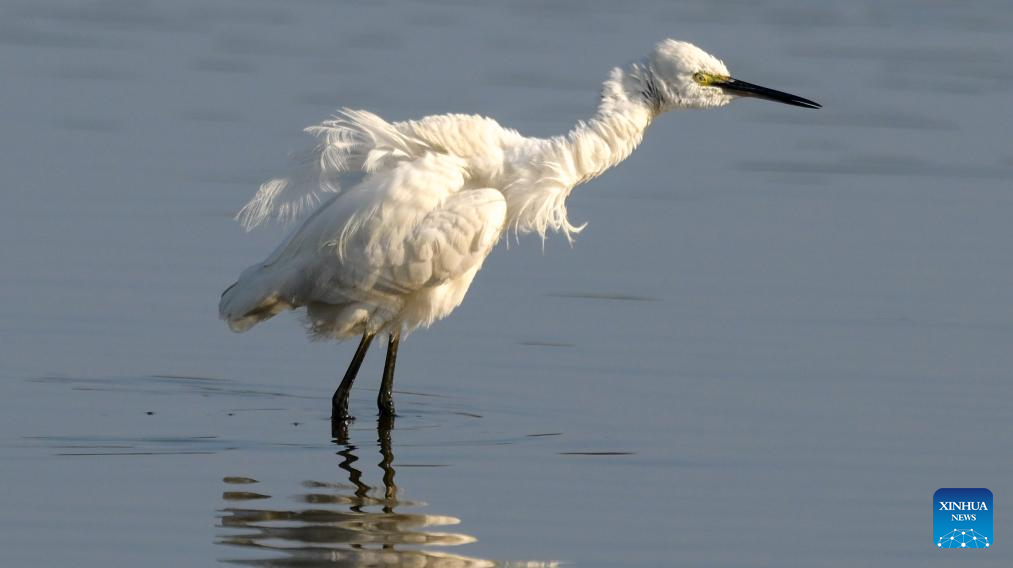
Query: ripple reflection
point(345, 524)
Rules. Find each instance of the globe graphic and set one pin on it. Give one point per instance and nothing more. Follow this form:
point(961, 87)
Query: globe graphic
point(963, 538)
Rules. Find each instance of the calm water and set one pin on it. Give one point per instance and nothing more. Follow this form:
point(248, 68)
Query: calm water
point(782, 331)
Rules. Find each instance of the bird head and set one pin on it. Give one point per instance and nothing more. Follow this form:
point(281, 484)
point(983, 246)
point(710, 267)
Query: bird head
point(685, 76)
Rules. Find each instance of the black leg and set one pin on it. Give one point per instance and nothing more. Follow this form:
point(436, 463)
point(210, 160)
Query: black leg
point(385, 401)
point(339, 403)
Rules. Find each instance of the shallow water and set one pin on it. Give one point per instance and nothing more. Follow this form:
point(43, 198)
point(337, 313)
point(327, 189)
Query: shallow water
point(782, 331)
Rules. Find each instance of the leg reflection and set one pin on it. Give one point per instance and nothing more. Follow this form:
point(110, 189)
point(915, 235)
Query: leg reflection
point(346, 523)
point(383, 430)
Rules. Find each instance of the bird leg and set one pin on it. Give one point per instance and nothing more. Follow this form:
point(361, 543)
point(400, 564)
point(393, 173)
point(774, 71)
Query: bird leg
point(339, 403)
point(385, 400)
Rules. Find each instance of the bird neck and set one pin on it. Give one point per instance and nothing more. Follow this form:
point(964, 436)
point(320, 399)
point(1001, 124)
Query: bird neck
point(536, 198)
point(626, 109)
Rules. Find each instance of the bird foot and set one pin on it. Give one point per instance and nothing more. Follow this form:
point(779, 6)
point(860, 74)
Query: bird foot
point(385, 404)
point(339, 428)
point(385, 423)
point(340, 416)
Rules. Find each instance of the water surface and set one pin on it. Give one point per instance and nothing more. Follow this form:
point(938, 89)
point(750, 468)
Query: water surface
point(781, 332)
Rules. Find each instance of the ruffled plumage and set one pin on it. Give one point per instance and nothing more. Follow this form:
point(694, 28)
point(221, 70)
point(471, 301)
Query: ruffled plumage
point(434, 193)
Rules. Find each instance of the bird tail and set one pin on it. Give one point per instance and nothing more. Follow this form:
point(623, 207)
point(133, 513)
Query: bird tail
point(251, 300)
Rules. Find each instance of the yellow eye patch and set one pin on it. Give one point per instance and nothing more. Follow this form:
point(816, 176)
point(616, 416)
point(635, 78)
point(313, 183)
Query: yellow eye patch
point(706, 79)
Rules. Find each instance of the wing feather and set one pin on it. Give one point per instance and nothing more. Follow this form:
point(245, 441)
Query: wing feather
point(352, 142)
point(424, 230)
point(411, 226)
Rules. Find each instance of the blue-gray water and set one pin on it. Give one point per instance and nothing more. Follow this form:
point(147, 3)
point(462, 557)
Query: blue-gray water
point(781, 332)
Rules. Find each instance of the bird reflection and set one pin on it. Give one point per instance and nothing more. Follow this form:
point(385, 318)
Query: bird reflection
point(351, 524)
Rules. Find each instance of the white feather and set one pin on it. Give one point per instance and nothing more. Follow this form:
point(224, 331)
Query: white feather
point(400, 249)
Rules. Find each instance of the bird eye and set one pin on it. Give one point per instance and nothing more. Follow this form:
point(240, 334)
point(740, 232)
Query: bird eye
point(700, 77)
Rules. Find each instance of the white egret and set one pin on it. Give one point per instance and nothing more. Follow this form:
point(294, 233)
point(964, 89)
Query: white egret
point(399, 249)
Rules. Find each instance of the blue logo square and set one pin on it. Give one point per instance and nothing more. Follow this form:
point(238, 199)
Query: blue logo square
point(962, 518)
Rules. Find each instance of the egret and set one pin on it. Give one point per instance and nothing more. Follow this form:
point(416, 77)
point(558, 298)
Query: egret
point(399, 248)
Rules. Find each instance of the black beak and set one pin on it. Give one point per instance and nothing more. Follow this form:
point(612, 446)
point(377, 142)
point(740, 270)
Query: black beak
point(744, 89)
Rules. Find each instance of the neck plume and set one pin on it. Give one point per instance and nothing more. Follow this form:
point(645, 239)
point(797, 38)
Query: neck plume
point(626, 110)
point(536, 201)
